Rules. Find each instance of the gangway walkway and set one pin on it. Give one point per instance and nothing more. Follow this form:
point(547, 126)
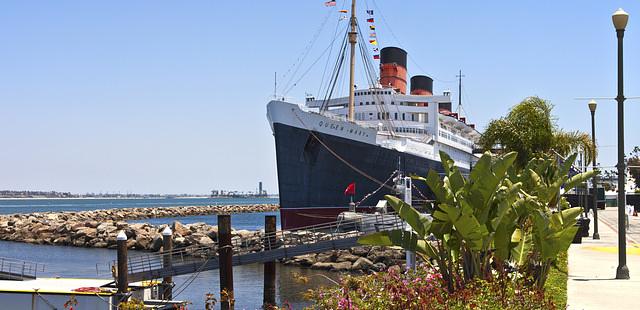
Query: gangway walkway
point(13, 269)
point(342, 234)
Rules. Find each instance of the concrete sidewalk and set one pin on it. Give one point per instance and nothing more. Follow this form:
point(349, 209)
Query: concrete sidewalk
point(592, 268)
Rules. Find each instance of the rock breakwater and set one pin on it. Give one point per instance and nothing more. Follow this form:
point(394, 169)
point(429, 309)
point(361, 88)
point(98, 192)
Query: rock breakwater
point(357, 259)
point(98, 228)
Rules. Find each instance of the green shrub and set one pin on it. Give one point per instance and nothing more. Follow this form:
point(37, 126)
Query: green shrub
point(556, 286)
point(497, 218)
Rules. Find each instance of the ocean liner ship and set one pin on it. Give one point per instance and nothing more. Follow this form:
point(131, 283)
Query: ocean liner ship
point(366, 139)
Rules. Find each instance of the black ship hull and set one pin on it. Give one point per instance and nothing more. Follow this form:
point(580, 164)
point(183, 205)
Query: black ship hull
point(313, 175)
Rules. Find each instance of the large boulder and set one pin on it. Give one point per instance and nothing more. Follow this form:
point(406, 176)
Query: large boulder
point(143, 242)
point(179, 242)
point(213, 233)
point(197, 227)
point(347, 257)
point(305, 260)
point(100, 244)
point(344, 266)
point(42, 230)
point(243, 233)
point(84, 232)
point(157, 243)
point(62, 240)
point(362, 264)
point(51, 217)
point(321, 265)
point(79, 242)
point(178, 228)
point(122, 225)
point(330, 256)
point(379, 267)
point(106, 228)
point(359, 251)
point(205, 240)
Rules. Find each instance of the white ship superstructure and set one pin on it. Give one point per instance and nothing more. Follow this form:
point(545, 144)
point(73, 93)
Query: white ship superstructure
point(414, 124)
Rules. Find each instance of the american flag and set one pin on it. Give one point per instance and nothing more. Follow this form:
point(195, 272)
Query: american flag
point(330, 3)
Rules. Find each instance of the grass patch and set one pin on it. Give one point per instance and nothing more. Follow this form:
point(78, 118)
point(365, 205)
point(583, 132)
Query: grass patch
point(556, 285)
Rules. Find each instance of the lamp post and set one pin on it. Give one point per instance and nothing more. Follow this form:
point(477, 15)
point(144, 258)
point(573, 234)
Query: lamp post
point(592, 108)
point(620, 19)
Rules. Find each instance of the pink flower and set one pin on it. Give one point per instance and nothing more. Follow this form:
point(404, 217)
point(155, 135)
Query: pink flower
point(346, 304)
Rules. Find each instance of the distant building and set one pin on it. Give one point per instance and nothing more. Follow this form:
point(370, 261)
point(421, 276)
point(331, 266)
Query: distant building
point(260, 192)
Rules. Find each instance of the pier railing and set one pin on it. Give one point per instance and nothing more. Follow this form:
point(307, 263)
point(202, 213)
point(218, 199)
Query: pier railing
point(261, 247)
point(14, 269)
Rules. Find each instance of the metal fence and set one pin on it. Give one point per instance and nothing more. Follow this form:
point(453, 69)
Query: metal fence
point(262, 247)
point(14, 269)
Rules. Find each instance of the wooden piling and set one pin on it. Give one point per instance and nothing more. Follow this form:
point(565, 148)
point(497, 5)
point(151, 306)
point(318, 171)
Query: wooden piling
point(225, 255)
point(123, 272)
point(167, 246)
point(269, 290)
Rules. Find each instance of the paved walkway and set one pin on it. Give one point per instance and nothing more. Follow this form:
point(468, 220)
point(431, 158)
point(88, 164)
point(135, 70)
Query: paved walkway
point(592, 268)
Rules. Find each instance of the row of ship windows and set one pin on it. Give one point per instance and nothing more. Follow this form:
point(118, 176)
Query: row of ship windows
point(374, 103)
point(366, 93)
point(412, 130)
point(415, 117)
point(453, 138)
point(406, 130)
point(413, 104)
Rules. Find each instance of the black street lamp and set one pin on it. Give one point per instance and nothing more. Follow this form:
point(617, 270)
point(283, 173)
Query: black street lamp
point(620, 19)
point(592, 108)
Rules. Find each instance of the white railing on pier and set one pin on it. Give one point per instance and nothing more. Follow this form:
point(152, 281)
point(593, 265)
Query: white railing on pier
point(262, 247)
point(15, 269)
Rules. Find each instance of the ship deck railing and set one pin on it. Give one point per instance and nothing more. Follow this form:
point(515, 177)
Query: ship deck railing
point(339, 118)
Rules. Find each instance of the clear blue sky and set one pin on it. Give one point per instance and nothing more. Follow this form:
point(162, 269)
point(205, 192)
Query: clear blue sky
point(169, 96)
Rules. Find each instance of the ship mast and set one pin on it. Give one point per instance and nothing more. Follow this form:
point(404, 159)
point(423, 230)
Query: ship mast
point(459, 76)
point(353, 34)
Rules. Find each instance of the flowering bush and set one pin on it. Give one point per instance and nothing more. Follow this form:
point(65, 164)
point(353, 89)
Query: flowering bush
point(425, 289)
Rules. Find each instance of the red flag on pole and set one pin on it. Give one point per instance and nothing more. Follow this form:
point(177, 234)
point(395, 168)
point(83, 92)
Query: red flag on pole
point(350, 190)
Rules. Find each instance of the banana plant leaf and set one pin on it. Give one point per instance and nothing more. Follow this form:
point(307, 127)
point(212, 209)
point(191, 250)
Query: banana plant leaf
point(522, 239)
point(408, 240)
point(420, 223)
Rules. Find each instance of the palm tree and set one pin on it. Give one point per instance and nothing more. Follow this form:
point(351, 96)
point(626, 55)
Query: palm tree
point(531, 130)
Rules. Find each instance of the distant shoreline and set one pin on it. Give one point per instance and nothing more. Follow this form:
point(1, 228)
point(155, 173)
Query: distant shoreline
point(126, 198)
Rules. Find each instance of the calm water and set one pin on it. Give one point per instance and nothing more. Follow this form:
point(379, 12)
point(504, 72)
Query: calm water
point(84, 262)
point(92, 263)
point(9, 206)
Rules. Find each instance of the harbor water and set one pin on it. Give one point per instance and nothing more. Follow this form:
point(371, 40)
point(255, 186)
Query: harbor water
point(65, 261)
point(9, 206)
